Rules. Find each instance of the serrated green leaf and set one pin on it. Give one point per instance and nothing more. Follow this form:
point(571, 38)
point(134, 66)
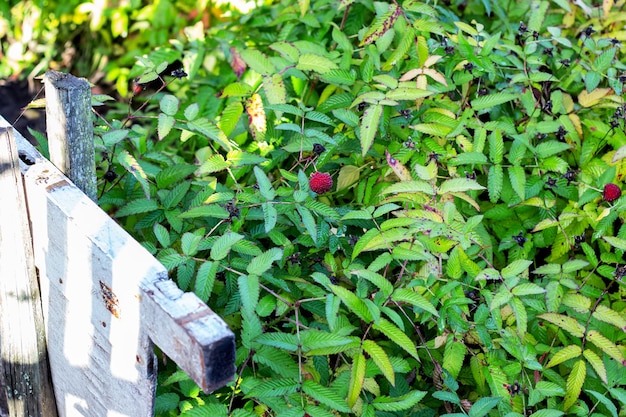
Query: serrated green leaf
point(381, 282)
point(596, 363)
point(162, 235)
point(453, 357)
point(258, 61)
point(165, 124)
point(354, 303)
point(459, 185)
point(142, 205)
point(261, 263)
point(369, 126)
point(203, 126)
point(405, 295)
point(564, 322)
point(249, 291)
point(189, 243)
point(265, 185)
point(326, 396)
point(521, 316)
point(413, 186)
point(173, 174)
point(616, 242)
point(606, 345)
point(403, 402)
point(316, 63)
point(380, 358)
point(270, 216)
point(407, 93)
point(309, 222)
point(131, 165)
point(191, 111)
point(517, 176)
point(551, 147)
point(482, 407)
point(527, 288)
point(515, 268)
point(223, 244)
point(169, 104)
point(607, 315)
point(495, 182)
point(492, 100)
point(496, 147)
point(208, 210)
point(396, 335)
point(357, 377)
point(205, 278)
point(279, 340)
point(574, 384)
point(469, 158)
point(113, 137)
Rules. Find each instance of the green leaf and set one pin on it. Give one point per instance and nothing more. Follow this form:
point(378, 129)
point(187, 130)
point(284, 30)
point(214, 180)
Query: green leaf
point(496, 146)
point(380, 358)
point(527, 288)
point(517, 176)
point(369, 126)
point(606, 345)
point(173, 174)
point(205, 278)
point(165, 125)
point(551, 147)
point(515, 268)
point(131, 165)
point(564, 322)
point(404, 295)
point(403, 402)
point(407, 93)
point(209, 210)
point(354, 303)
point(258, 61)
point(261, 263)
point(483, 406)
point(326, 396)
point(521, 316)
point(203, 126)
point(249, 291)
point(459, 185)
point(453, 357)
point(270, 216)
point(381, 282)
point(469, 158)
point(357, 377)
point(317, 63)
point(316, 341)
point(189, 243)
point(191, 112)
point(274, 88)
point(142, 205)
point(495, 182)
point(607, 315)
point(574, 384)
point(396, 335)
point(492, 100)
point(265, 185)
point(112, 137)
point(309, 222)
point(169, 104)
point(223, 244)
point(176, 195)
point(279, 340)
point(616, 242)
point(412, 186)
point(162, 235)
point(605, 401)
point(547, 413)
point(596, 363)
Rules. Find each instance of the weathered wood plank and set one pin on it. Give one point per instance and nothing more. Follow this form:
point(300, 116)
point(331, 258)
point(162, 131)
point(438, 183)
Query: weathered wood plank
point(23, 347)
point(105, 299)
point(70, 129)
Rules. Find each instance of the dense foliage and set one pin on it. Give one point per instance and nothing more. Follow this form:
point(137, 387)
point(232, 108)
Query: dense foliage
point(468, 259)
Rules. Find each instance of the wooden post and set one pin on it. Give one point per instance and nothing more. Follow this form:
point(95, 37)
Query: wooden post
point(105, 300)
point(70, 129)
point(22, 332)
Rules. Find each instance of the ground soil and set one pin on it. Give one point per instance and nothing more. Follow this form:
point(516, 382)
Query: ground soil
point(14, 96)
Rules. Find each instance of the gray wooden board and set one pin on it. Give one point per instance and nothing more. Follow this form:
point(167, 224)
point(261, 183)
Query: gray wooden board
point(105, 300)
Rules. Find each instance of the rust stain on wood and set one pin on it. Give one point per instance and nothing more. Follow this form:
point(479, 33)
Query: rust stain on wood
point(194, 316)
point(110, 300)
point(56, 185)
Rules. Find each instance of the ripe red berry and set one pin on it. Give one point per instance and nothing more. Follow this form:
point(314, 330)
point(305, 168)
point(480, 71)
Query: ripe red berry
point(320, 182)
point(611, 192)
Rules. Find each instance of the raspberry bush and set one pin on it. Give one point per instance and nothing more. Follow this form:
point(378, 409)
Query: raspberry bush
point(467, 260)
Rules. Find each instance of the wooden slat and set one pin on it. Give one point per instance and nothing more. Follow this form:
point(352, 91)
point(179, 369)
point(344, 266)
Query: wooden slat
point(105, 300)
point(70, 129)
point(22, 337)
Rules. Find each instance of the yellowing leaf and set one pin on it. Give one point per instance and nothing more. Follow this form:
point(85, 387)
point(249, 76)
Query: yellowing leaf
point(574, 384)
point(587, 99)
point(357, 376)
point(380, 358)
point(400, 170)
point(567, 353)
point(348, 175)
point(596, 362)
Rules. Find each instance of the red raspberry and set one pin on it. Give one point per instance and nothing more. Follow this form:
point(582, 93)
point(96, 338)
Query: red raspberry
point(611, 192)
point(320, 182)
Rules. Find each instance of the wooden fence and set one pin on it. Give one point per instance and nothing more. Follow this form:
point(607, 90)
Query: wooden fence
point(102, 299)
